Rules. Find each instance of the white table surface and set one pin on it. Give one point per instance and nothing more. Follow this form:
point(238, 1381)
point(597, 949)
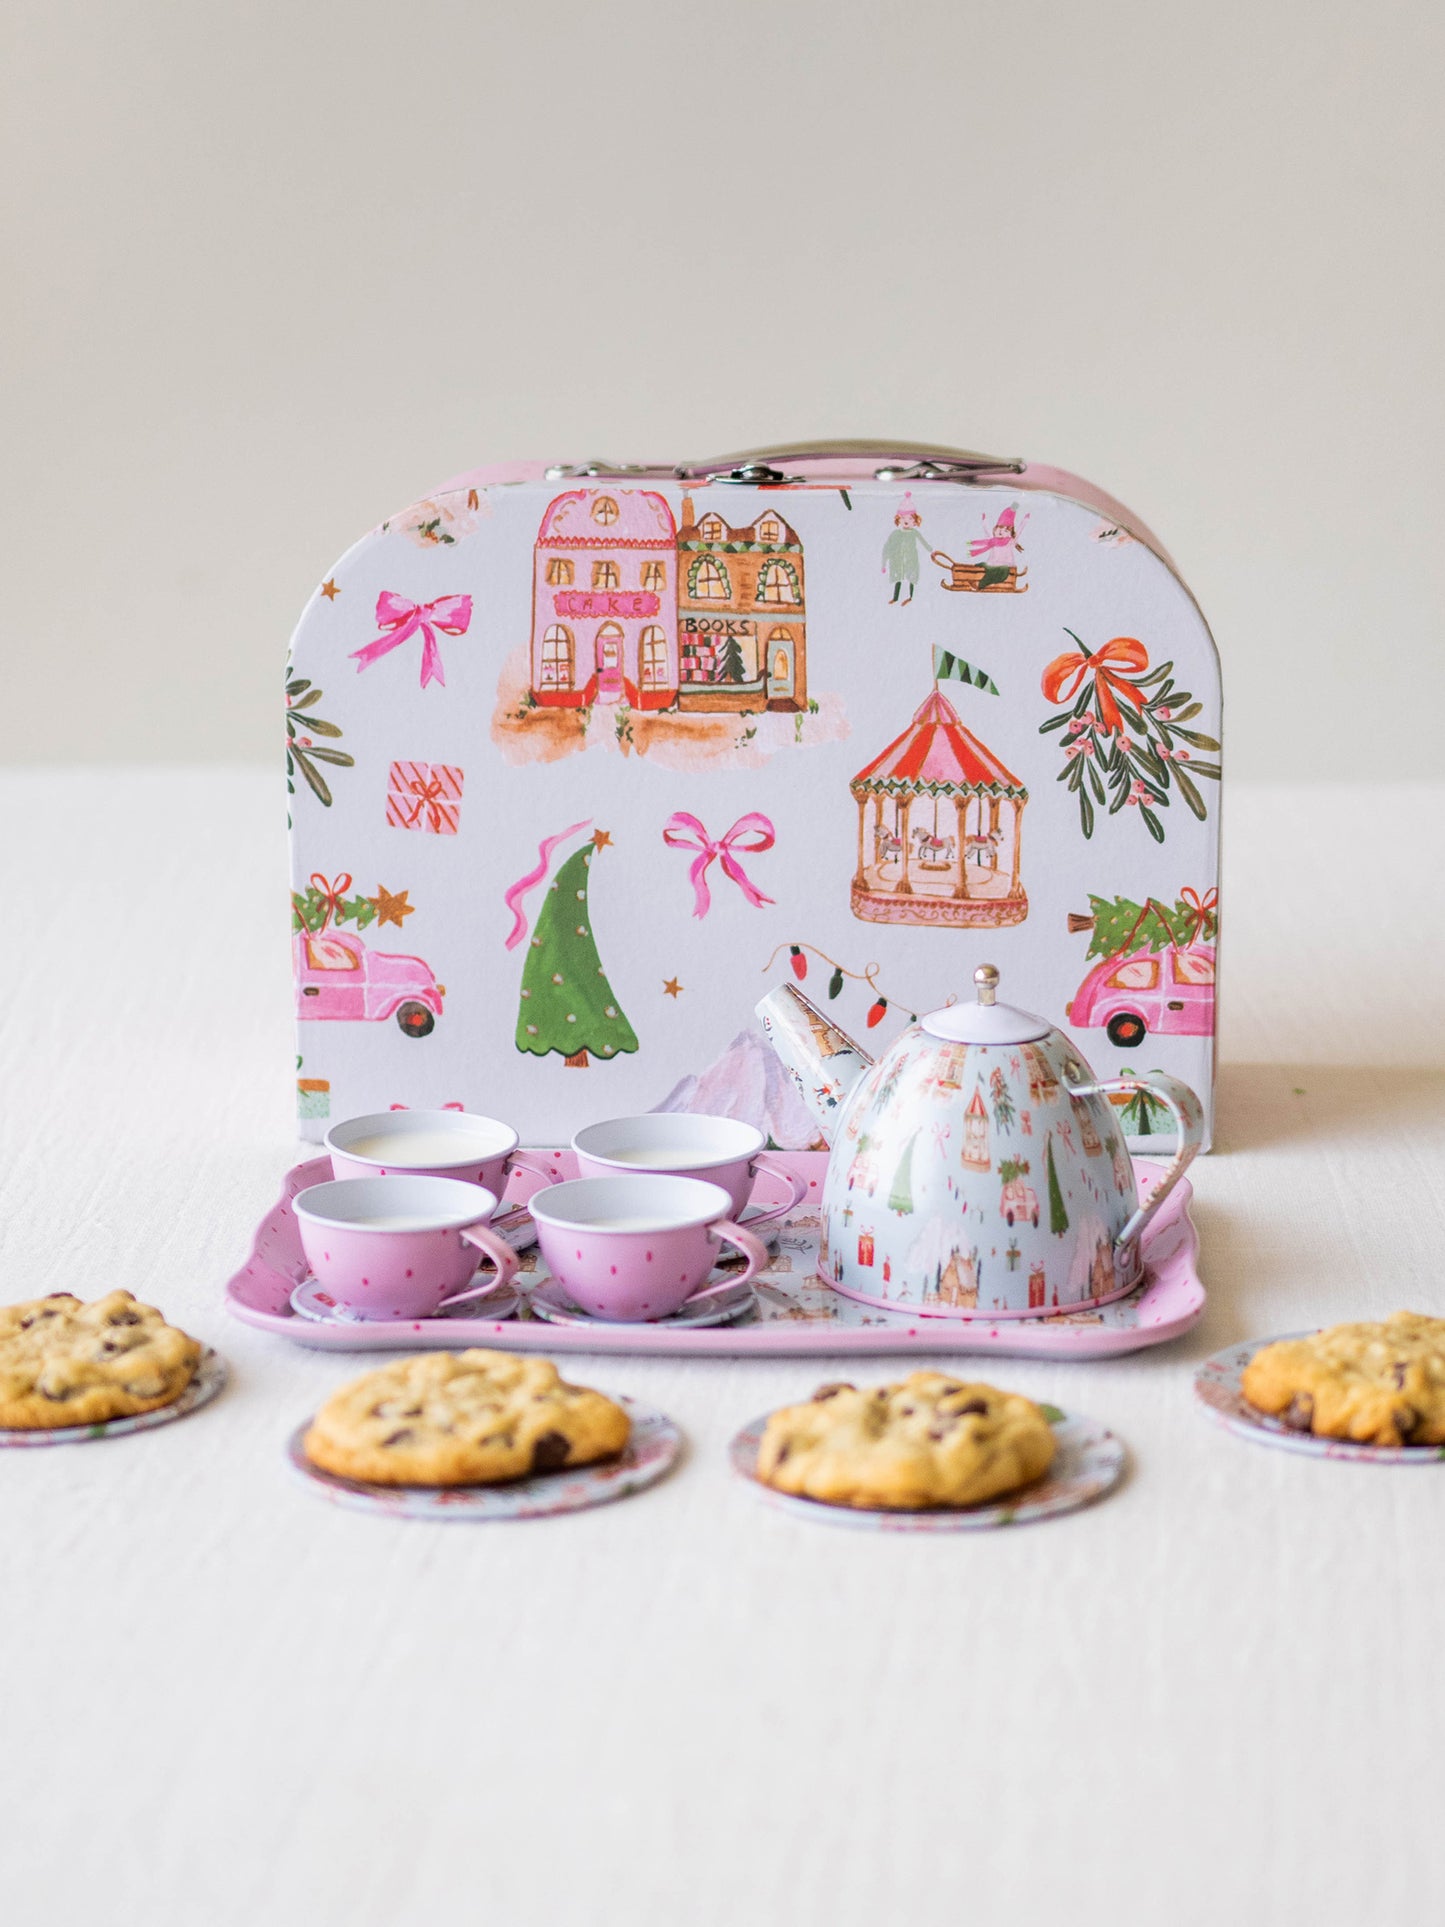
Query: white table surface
point(1218, 1695)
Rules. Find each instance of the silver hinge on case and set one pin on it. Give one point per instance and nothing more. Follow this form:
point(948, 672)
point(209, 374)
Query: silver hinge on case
point(589, 471)
point(756, 467)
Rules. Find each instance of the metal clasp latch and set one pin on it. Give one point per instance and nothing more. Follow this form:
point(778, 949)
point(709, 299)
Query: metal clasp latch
point(750, 475)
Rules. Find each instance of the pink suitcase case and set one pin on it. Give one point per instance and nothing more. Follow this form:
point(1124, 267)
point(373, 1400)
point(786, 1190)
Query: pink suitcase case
point(583, 758)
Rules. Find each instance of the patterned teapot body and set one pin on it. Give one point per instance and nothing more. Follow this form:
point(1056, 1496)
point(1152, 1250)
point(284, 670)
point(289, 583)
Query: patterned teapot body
point(977, 1168)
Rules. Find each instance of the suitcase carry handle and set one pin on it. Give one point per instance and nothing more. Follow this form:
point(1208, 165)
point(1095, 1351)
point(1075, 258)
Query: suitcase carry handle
point(897, 462)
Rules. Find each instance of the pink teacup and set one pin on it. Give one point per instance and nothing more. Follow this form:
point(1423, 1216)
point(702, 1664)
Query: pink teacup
point(634, 1248)
point(687, 1144)
point(400, 1247)
point(433, 1144)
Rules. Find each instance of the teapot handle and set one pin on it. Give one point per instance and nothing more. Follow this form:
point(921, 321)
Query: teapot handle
point(1188, 1115)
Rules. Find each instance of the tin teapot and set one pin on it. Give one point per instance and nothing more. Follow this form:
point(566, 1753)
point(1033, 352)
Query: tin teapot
point(977, 1167)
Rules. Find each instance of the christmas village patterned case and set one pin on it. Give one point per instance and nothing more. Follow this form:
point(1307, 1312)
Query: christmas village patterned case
point(579, 767)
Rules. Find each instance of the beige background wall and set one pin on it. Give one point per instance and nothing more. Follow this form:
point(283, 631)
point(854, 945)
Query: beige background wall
point(277, 268)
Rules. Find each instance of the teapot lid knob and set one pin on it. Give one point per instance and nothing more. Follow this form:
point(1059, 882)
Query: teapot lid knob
point(985, 1021)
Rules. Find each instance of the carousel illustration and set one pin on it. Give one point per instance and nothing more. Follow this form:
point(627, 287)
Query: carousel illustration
point(939, 827)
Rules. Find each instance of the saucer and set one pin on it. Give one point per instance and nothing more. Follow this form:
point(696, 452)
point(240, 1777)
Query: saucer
point(653, 1446)
point(210, 1378)
point(308, 1300)
point(548, 1301)
point(1217, 1386)
point(1088, 1462)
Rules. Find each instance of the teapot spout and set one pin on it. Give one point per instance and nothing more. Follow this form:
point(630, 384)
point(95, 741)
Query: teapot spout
point(823, 1061)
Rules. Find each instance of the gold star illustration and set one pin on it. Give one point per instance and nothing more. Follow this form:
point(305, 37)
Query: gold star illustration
point(671, 987)
point(601, 839)
point(329, 589)
point(389, 908)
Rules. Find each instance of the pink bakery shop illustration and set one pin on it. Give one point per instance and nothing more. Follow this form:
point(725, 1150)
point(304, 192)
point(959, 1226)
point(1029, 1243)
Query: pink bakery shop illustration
point(1156, 968)
point(940, 821)
point(994, 564)
point(604, 602)
point(682, 639)
point(339, 978)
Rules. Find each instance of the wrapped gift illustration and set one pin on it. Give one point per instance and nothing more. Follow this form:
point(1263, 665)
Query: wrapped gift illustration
point(424, 796)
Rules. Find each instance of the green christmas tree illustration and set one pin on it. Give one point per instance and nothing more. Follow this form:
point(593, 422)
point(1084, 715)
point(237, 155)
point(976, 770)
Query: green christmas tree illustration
point(900, 1198)
point(1140, 1116)
point(733, 667)
point(1003, 1104)
point(1123, 927)
point(567, 1004)
point(1058, 1217)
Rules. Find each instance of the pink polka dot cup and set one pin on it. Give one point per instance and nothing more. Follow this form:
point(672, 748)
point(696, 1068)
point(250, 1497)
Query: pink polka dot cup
point(400, 1247)
point(719, 1150)
point(635, 1248)
point(430, 1144)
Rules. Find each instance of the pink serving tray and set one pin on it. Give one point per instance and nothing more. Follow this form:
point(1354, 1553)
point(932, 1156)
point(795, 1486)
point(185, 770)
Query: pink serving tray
point(798, 1313)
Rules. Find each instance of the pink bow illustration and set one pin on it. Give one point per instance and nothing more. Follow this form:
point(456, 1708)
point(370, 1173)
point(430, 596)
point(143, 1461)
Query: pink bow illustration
point(452, 614)
point(520, 890)
point(684, 832)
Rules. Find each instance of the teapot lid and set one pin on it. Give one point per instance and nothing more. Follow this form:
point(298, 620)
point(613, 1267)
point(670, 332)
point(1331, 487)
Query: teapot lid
point(985, 1022)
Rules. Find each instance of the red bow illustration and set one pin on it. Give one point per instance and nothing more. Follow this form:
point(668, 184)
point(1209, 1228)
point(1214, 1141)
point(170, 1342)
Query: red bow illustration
point(426, 795)
point(1204, 911)
point(1065, 673)
point(332, 893)
point(452, 614)
point(676, 837)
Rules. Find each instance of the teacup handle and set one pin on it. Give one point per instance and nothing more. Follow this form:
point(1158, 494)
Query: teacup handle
point(774, 1212)
point(1188, 1117)
point(534, 1167)
point(491, 1246)
point(753, 1249)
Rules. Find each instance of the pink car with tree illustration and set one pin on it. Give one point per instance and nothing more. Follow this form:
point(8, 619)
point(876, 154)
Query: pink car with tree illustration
point(338, 977)
point(1155, 974)
point(1168, 992)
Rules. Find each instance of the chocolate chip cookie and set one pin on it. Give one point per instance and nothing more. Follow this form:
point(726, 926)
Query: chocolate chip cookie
point(929, 1441)
point(1378, 1384)
point(474, 1418)
point(63, 1362)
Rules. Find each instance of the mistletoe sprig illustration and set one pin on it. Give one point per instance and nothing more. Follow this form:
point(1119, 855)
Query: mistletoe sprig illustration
point(303, 752)
point(1127, 735)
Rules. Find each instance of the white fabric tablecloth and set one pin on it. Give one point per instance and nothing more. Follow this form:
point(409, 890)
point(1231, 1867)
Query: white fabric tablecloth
point(1219, 1695)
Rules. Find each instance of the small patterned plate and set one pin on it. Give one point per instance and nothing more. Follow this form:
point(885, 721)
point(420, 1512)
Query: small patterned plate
point(209, 1379)
point(554, 1305)
point(1089, 1462)
point(651, 1450)
point(1217, 1387)
point(310, 1301)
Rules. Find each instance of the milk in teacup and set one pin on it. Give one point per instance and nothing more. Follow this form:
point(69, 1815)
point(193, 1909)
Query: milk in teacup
point(415, 1150)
